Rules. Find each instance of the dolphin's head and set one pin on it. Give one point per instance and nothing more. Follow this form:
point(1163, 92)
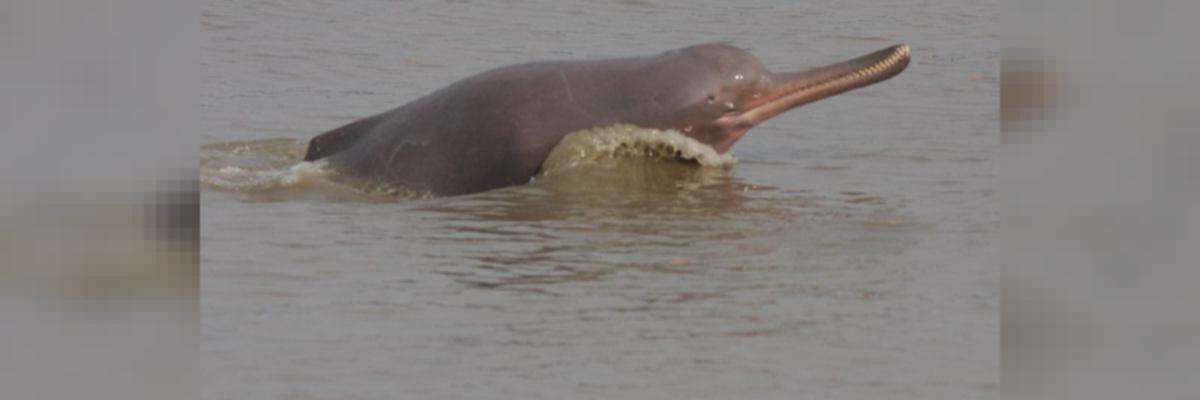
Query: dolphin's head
point(717, 92)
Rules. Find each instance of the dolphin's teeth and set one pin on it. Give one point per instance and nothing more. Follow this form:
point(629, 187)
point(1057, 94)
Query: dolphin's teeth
point(879, 67)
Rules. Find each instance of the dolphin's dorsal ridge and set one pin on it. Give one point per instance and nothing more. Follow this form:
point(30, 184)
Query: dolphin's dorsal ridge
point(340, 139)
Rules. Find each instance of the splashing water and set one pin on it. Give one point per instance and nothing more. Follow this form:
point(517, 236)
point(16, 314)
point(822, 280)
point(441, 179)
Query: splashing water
point(605, 145)
point(257, 166)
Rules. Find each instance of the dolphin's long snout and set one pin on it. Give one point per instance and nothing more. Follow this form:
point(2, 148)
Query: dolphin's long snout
point(789, 90)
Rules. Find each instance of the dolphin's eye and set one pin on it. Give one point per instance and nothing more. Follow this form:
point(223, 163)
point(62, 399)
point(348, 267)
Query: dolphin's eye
point(712, 99)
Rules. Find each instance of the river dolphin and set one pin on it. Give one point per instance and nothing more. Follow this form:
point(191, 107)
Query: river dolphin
point(496, 128)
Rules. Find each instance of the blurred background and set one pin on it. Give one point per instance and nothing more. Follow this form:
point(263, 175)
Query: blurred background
point(1099, 200)
point(99, 205)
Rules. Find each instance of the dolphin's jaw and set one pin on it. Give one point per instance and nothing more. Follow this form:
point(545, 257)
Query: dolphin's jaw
point(790, 90)
point(733, 129)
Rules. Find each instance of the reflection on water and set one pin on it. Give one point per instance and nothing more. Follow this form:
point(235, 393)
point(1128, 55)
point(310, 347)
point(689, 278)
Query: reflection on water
point(647, 215)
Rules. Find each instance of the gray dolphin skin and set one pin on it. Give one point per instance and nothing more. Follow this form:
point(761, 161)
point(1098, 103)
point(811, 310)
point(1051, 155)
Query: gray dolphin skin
point(495, 129)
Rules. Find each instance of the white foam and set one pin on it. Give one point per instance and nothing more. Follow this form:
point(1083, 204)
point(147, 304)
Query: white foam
point(236, 178)
point(598, 145)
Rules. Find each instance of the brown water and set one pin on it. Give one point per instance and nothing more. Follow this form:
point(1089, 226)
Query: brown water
point(846, 253)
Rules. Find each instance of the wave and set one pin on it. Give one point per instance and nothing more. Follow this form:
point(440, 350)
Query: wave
point(603, 146)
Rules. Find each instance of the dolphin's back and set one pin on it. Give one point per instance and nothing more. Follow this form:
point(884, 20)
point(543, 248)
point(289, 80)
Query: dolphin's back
point(486, 131)
point(341, 138)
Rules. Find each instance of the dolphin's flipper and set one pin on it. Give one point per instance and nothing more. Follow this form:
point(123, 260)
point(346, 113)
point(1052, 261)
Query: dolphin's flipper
point(340, 139)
